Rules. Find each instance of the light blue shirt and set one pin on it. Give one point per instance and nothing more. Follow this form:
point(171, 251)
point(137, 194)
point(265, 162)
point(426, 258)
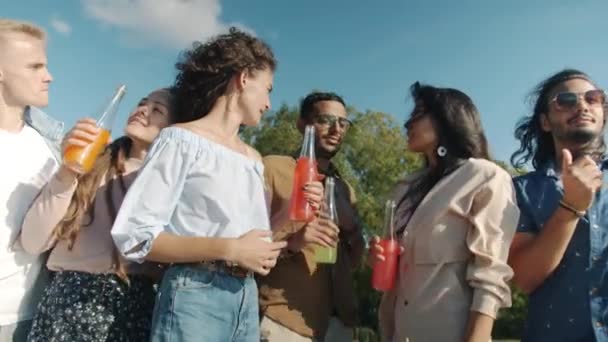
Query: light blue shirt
point(50, 129)
point(190, 186)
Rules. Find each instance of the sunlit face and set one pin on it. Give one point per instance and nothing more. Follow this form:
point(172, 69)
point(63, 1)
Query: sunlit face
point(24, 77)
point(578, 121)
point(152, 114)
point(254, 97)
point(331, 124)
point(421, 133)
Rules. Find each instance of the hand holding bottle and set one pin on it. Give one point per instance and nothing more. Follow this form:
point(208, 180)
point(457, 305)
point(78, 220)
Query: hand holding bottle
point(387, 253)
point(84, 132)
point(376, 252)
point(306, 172)
point(313, 193)
point(81, 156)
point(322, 231)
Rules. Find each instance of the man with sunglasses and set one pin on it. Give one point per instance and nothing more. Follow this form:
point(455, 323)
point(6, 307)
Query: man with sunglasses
point(560, 253)
point(301, 300)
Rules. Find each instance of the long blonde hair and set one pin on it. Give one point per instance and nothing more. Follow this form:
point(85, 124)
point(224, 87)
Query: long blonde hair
point(109, 166)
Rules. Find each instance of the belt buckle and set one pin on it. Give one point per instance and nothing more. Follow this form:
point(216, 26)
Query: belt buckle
point(232, 269)
point(236, 270)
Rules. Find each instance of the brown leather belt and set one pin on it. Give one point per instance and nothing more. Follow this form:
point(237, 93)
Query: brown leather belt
point(225, 267)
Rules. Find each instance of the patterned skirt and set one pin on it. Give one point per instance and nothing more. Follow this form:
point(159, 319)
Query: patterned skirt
point(78, 306)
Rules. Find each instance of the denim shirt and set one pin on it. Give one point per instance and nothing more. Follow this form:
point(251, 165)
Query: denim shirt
point(572, 303)
point(50, 129)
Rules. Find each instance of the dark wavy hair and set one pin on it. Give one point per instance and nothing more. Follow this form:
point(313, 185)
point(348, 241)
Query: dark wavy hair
point(536, 144)
point(458, 126)
point(205, 70)
point(307, 106)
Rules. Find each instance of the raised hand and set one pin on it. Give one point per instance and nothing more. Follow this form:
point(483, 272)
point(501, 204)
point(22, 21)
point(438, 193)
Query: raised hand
point(581, 179)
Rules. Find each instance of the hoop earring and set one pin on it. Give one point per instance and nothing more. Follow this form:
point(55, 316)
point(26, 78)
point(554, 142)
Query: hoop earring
point(442, 151)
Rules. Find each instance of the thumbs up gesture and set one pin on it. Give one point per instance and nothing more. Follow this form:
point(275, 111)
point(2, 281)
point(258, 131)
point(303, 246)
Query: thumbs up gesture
point(581, 179)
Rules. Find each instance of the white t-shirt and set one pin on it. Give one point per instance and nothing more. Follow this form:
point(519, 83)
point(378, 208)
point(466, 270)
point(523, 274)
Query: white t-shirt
point(27, 165)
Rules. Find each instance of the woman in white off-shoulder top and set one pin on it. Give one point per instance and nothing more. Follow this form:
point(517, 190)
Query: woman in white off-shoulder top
point(198, 202)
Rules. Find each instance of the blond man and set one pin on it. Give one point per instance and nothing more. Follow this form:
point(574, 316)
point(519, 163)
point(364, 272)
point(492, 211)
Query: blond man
point(29, 150)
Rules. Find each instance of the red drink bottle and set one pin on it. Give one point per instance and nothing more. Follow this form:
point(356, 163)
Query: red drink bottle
point(306, 172)
point(383, 277)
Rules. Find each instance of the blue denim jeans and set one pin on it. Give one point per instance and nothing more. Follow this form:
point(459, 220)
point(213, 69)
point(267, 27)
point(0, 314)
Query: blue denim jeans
point(196, 304)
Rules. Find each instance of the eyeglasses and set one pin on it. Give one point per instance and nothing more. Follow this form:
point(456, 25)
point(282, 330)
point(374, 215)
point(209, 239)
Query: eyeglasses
point(569, 100)
point(330, 120)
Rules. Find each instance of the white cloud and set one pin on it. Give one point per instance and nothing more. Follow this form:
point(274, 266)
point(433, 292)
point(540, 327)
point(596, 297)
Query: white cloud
point(61, 26)
point(172, 23)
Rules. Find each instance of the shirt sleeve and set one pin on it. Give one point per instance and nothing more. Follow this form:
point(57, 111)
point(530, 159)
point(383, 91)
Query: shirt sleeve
point(494, 216)
point(526, 223)
point(152, 198)
point(47, 210)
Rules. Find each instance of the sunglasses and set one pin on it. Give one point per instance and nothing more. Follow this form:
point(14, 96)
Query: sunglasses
point(330, 120)
point(569, 100)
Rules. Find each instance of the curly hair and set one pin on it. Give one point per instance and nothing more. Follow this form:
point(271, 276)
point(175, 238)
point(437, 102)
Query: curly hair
point(205, 70)
point(536, 144)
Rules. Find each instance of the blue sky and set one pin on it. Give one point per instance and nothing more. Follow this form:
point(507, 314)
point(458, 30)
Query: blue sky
point(495, 51)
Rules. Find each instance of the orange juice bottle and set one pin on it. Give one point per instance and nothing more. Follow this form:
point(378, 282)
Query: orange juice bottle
point(82, 158)
point(306, 171)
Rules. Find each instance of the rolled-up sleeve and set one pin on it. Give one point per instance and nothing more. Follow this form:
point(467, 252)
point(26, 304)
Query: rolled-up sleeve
point(494, 215)
point(152, 198)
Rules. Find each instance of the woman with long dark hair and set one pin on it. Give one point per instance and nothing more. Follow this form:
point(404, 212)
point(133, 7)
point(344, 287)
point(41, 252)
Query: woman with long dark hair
point(199, 200)
point(95, 295)
point(455, 220)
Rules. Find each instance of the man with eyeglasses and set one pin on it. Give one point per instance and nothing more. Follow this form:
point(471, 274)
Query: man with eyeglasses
point(560, 252)
point(301, 300)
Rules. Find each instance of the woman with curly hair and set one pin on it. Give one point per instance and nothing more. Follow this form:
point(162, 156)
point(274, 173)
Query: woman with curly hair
point(95, 295)
point(199, 201)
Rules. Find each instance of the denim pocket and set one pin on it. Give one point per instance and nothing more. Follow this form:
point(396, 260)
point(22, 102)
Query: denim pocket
point(195, 278)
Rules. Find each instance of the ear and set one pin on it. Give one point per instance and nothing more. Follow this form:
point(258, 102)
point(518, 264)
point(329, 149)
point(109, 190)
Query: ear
point(241, 79)
point(544, 122)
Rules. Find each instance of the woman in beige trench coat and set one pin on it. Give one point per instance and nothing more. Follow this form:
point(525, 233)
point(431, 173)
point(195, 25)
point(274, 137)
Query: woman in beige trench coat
point(455, 220)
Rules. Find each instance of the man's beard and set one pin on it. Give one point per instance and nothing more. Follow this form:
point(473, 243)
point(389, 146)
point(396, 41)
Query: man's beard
point(321, 152)
point(588, 142)
point(579, 136)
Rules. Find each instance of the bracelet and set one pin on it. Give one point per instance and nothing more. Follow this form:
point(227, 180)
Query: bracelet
point(577, 213)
